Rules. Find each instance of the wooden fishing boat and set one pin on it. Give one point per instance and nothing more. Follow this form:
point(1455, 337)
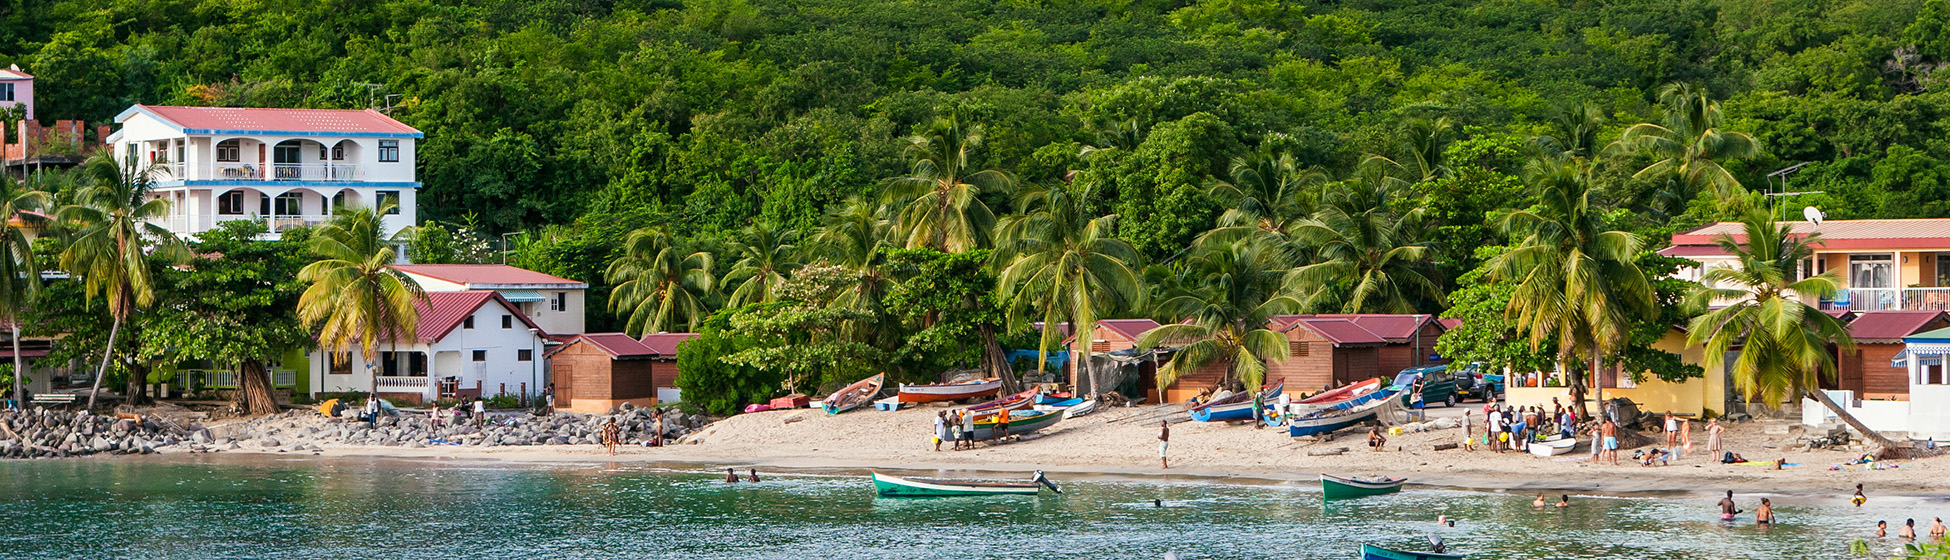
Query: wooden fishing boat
point(1241, 409)
point(1019, 423)
point(941, 392)
point(859, 393)
point(1053, 398)
point(1018, 401)
point(1082, 408)
point(1339, 416)
point(1047, 405)
point(1553, 446)
point(902, 487)
point(1340, 488)
point(1372, 552)
point(1337, 396)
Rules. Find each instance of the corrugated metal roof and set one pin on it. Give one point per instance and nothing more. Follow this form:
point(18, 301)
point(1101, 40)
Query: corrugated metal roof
point(287, 120)
point(666, 343)
point(1341, 332)
point(1131, 328)
point(1889, 326)
point(1394, 327)
point(617, 345)
point(485, 274)
point(442, 312)
point(11, 74)
point(1844, 229)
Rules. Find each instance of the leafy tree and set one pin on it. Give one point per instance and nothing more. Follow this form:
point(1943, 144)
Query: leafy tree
point(941, 302)
point(232, 306)
point(1689, 148)
point(1221, 316)
point(354, 299)
point(1063, 264)
point(1783, 342)
point(1372, 259)
point(1269, 191)
point(938, 204)
point(719, 386)
point(113, 236)
point(1487, 333)
point(20, 266)
point(658, 285)
point(854, 240)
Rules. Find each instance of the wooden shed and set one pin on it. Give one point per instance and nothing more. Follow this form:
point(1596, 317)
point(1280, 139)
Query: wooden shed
point(663, 368)
point(593, 373)
point(1410, 337)
point(1878, 335)
point(1326, 352)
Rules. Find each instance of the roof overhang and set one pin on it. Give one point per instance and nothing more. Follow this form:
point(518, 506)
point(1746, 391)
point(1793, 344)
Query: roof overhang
point(134, 110)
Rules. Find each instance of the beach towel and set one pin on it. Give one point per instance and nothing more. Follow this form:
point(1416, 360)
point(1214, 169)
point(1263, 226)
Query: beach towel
point(1766, 464)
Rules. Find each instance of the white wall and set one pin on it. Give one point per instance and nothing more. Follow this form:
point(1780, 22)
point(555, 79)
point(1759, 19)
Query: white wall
point(502, 368)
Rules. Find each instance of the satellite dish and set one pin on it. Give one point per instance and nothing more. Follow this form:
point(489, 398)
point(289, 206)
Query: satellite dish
point(1813, 215)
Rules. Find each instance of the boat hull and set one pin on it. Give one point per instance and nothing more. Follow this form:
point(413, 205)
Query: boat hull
point(1224, 412)
point(1372, 552)
point(1019, 424)
point(1552, 447)
point(899, 487)
point(945, 392)
point(1341, 416)
point(1338, 488)
point(987, 410)
point(853, 396)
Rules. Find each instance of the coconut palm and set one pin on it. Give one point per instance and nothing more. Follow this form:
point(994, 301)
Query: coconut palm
point(852, 239)
point(1232, 292)
point(936, 205)
point(659, 285)
point(356, 299)
point(1575, 279)
point(1689, 146)
point(111, 240)
point(767, 256)
point(1065, 265)
point(20, 270)
point(1573, 131)
point(1782, 341)
point(1269, 192)
point(1370, 259)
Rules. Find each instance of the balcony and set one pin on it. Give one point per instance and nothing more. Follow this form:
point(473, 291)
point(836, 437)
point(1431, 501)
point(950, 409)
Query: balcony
point(184, 226)
point(228, 171)
point(1884, 299)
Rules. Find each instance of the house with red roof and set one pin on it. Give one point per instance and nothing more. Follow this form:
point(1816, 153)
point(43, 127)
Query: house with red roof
point(1411, 337)
point(283, 167)
point(471, 343)
point(593, 373)
point(1883, 264)
point(552, 302)
point(1870, 371)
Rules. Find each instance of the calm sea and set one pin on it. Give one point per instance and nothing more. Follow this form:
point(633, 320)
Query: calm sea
point(258, 507)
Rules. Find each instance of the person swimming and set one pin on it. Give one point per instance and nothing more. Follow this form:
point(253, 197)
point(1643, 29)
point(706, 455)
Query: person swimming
point(1539, 502)
point(1858, 498)
point(1908, 531)
point(754, 475)
point(1882, 529)
point(730, 474)
point(1564, 501)
point(1727, 507)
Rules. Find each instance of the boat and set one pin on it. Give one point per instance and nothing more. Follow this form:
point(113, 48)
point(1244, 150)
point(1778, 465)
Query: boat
point(1372, 552)
point(940, 392)
point(1553, 446)
point(1240, 406)
point(1048, 405)
point(1053, 398)
point(1018, 401)
point(1082, 408)
point(1339, 416)
point(902, 487)
point(1334, 397)
point(1019, 423)
point(1340, 488)
point(859, 393)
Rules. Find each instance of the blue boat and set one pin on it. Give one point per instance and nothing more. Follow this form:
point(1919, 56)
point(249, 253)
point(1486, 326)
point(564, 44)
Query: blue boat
point(1241, 409)
point(1340, 416)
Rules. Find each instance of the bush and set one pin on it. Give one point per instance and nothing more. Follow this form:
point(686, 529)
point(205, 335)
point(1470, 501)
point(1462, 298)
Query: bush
point(709, 382)
point(504, 401)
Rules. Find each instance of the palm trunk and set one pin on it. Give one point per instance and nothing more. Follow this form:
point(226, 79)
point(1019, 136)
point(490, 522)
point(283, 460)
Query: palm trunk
point(19, 368)
point(113, 329)
point(1884, 443)
point(138, 383)
point(1598, 377)
point(1082, 356)
point(1577, 388)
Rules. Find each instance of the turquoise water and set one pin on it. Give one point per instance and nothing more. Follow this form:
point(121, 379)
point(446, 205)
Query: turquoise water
point(255, 507)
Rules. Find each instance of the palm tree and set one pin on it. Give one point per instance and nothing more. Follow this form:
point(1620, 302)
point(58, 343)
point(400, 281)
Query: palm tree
point(1371, 260)
point(356, 298)
point(767, 257)
point(1575, 279)
point(1783, 341)
point(1234, 292)
point(1269, 191)
point(936, 204)
point(658, 284)
point(1689, 146)
point(1424, 140)
point(112, 240)
point(1573, 131)
point(1065, 264)
point(852, 239)
point(20, 270)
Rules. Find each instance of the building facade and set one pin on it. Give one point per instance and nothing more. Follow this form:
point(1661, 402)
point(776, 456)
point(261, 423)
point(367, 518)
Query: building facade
point(1883, 264)
point(471, 343)
point(553, 303)
point(285, 167)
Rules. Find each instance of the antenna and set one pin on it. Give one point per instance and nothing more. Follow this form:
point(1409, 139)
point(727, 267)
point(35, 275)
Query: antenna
point(1813, 215)
point(1782, 191)
point(377, 99)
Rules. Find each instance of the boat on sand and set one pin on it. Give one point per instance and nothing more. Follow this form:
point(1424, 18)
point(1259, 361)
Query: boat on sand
point(1552, 446)
point(940, 392)
point(859, 393)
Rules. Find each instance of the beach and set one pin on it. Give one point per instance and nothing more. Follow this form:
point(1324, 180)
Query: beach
point(1122, 441)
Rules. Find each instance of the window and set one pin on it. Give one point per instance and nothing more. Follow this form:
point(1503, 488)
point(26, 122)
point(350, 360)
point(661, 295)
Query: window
point(339, 365)
point(507, 321)
point(1297, 348)
point(389, 363)
point(179, 151)
point(323, 153)
point(525, 355)
point(7, 91)
point(291, 204)
point(231, 203)
point(389, 150)
point(338, 152)
point(480, 355)
point(1870, 271)
point(467, 323)
point(560, 302)
point(227, 151)
point(263, 205)
point(389, 197)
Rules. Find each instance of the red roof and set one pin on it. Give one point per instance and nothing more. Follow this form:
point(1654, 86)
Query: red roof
point(1341, 332)
point(1844, 314)
point(1395, 328)
point(253, 119)
point(478, 275)
point(13, 74)
point(666, 343)
point(1692, 251)
point(1871, 235)
point(617, 345)
point(442, 312)
point(1891, 326)
point(1449, 324)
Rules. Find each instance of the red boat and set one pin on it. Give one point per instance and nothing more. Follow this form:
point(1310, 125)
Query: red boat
point(1014, 403)
point(942, 392)
point(1333, 397)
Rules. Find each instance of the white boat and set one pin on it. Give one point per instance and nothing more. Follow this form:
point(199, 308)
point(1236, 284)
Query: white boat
point(1341, 416)
point(940, 392)
point(1080, 409)
point(1556, 445)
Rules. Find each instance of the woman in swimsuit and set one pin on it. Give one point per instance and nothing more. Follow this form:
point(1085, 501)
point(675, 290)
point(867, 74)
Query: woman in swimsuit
point(1882, 529)
point(1764, 515)
point(1909, 530)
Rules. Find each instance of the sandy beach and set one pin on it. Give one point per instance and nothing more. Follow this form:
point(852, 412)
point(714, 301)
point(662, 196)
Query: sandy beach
point(1122, 441)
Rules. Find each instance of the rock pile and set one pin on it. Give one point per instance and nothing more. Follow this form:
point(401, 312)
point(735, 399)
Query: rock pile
point(307, 431)
point(38, 433)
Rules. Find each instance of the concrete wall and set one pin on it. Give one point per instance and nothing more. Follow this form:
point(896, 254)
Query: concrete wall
point(1693, 397)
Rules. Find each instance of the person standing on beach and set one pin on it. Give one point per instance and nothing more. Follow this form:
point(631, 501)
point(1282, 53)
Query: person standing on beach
point(1727, 507)
point(612, 435)
point(1610, 433)
point(480, 411)
point(968, 429)
point(1493, 430)
point(433, 418)
point(940, 429)
point(548, 401)
point(1469, 433)
point(954, 430)
point(1164, 443)
point(1713, 429)
point(1002, 423)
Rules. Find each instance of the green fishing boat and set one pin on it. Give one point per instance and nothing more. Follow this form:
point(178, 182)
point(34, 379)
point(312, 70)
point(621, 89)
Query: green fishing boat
point(1019, 423)
point(1338, 488)
point(901, 487)
point(1372, 552)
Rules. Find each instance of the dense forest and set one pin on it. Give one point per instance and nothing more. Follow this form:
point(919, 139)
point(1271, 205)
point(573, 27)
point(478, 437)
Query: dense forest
point(733, 127)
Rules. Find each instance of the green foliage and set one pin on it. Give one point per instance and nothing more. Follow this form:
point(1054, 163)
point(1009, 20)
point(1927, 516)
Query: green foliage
point(1486, 333)
point(943, 302)
point(232, 304)
point(433, 243)
point(708, 380)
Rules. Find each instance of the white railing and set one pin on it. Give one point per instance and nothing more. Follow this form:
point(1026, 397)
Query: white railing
point(283, 172)
point(1882, 299)
point(396, 384)
point(278, 224)
point(237, 171)
point(190, 379)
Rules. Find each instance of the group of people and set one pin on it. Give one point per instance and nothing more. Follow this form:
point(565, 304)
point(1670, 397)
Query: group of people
point(467, 410)
point(1510, 429)
point(958, 428)
point(1908, 532)
point(612, 434)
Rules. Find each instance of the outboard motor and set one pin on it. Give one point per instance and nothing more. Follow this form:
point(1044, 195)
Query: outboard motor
point(1436, 544)
point(1044, 480)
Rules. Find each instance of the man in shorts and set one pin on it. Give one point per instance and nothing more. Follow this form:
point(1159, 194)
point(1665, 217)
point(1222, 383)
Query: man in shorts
point(1164, 443)
point(967, 429)
point(1610, 432)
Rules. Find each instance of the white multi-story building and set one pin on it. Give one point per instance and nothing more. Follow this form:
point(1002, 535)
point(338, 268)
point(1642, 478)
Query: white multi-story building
point(285, 167)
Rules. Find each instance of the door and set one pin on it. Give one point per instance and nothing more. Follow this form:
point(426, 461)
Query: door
point(285, 159)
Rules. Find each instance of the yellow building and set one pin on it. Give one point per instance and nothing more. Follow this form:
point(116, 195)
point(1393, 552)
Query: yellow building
point(1697, 397)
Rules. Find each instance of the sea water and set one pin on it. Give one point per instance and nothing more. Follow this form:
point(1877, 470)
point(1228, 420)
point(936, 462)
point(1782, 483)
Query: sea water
point(329, 508)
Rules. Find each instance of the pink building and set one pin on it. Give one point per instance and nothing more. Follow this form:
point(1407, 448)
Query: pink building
point(17, 88)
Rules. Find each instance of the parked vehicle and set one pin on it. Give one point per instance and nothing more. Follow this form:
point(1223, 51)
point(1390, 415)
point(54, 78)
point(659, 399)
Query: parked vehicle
point(1438, 386)
point(1475, 382)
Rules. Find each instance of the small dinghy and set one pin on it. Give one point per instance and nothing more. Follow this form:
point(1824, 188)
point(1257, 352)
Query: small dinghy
point(901, 487)
point(1553, 446)
point(1340, 488)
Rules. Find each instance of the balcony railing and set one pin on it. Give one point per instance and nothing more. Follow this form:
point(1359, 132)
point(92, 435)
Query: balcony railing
point(1883, 299)
point(233, 171)
point(401, 384)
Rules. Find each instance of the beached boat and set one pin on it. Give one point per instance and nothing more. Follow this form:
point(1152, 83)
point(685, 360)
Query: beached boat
point(1018, 401)
point(902, 487)
point(1553, 446)
point(1330, 398)
point(1240, 406)
point(1082, 408)
point(1340, 488)
point(1372, 552)
point(1058, 405)
point(942, 392)
point(1339, 416)
point(859, 393)
point(1053, 398)
point(1019, 423)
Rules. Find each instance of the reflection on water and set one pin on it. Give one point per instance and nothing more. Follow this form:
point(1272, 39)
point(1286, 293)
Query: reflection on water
point(346, 508)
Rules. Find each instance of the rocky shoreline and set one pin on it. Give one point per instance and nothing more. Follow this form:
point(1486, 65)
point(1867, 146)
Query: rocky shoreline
point(39, 433)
